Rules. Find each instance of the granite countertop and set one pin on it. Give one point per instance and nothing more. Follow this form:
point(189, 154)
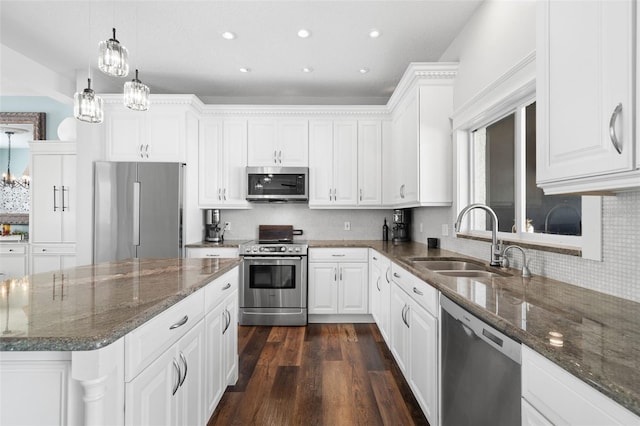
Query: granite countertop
point(88, 307)
point(599, 333)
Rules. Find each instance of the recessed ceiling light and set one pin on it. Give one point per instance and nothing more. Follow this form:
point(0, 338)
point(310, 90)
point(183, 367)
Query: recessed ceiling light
point(228, 35)
point(304, 33)
point(364, 70)
point(307, 69)
point(375, 33)
point(243, 69)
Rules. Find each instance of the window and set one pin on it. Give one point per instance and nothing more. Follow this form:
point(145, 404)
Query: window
point(502, 175)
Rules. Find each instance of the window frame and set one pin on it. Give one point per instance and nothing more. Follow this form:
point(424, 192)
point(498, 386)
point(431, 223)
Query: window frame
point(588, 245)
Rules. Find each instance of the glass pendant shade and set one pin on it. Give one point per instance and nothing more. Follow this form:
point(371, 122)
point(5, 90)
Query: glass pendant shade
point(87, 106)
point(136, 95)
point(113, 58)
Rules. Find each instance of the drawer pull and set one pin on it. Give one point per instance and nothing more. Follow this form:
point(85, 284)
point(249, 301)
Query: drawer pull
point(10, 250)
point(338, 255)
point(180, 323)
point(418, 292)
point(212, 255)
point(395, 274)
point(184, 362)
point(375, 258)
point(226, 287)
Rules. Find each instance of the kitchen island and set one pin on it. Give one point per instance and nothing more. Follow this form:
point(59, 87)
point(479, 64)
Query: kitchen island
point(66, 331)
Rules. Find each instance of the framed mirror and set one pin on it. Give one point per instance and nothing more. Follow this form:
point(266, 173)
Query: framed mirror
point(15, 201)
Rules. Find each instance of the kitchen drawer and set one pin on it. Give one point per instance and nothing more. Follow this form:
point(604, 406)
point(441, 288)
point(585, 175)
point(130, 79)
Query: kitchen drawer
point(53, 249)
point(147, 342)
point(13, 249)
point(338, 254)
point(424, 294)
point(212, 252)
point(378, 260)
point(218, 289)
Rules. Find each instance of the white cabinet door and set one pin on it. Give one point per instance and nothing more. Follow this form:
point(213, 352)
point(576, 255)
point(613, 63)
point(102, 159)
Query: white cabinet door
point(234, 163)
point(149, 398)
point(384, 308)
point(262, 143)
point(375, 292)
point(405, 153)
point(190, 394)
point(423, 359)
point(345, 163)
point(165, 133)
point(400, 305)
point(230, 341)
point(531, 416)
point(125, 134)
point(293, 141)
point(320, 162)
point(323, 288)
point(210, 152)
point(13, 261)
point(214, 378)
point(369, 163)
point(352, 288)
point(53, 201)
point(585, 72)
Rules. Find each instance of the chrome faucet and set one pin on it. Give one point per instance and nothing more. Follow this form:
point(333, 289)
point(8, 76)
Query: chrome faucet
point(496, 255)
point(505, 261)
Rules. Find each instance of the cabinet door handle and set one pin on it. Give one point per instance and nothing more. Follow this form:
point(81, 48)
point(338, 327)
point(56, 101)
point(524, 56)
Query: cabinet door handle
point(224, 194)
point(177, 368)
point(43, 250)
point(180, 323)
point(340, 274)
point(219, 194)
point(402, 191)
point(184, 362)
point(136, 214)
point(386, 275)
point(335, 274)
point(146, 150)
point(280, 157)
point(64, 189)
point(226, 287)
point(227, 320)
point(395, 274)
point(141, 151)
point(378, 283)
point(55, 193)
point(10, 250)
point(360, 194)
point(612, 128)
point(275, 157)
point(374, 258)
point(418, 292)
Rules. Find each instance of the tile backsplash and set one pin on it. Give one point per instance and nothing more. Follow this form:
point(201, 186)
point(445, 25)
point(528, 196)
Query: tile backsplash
point(618, 273)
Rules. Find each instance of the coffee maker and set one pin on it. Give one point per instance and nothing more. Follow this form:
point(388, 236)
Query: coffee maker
point(400, 228)
point(213, 232)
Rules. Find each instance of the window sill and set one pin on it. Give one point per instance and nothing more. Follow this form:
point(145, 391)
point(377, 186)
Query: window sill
point(552, 248)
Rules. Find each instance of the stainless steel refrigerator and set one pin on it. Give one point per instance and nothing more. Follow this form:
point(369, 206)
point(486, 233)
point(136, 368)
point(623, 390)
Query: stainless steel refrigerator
point(137, 210)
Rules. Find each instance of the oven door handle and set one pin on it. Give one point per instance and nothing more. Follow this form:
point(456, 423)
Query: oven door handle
point(272, 258)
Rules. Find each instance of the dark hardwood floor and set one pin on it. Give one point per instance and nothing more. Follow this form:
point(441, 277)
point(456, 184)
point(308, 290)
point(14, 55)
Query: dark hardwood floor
point(322, 374)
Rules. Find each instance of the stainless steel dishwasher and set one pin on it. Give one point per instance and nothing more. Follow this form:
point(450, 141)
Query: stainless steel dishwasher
point(480, 378)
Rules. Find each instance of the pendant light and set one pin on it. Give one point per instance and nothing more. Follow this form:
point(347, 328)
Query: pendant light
point(136, 95)
point(113, 58)
point(87, 106)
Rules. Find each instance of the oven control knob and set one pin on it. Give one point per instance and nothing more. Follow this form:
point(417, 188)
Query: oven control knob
point(283, 248)
point(290, 249)
point(297, 249)
point(254, 249)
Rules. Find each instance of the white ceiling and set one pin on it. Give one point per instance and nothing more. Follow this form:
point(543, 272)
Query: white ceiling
point(177, 45)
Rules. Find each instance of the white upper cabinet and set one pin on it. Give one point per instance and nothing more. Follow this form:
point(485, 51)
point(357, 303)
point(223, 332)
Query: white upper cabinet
point(222, 156)
point(158, 134)
point(278, 143)
point(370, 163)
point(333, 163)
point(585, 97)
point(421, 162)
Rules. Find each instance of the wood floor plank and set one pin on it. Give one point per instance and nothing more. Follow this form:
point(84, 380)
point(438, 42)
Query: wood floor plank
point(321, 374)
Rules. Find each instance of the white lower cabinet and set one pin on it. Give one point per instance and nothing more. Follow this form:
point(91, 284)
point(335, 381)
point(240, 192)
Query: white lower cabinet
point(169, 391)
point(414, 337)
point(380, 291)
point(13, 260)
point(552, 394)
point(338, 287)
point(212, 252)
point(52, 257)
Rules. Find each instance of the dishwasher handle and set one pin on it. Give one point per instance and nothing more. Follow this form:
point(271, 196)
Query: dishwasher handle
point(481, 330)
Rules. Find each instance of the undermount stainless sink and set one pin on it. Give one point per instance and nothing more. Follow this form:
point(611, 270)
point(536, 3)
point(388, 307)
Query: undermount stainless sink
point(457, 267)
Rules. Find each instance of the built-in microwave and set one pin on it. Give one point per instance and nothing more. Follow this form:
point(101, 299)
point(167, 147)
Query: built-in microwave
point(277, 183)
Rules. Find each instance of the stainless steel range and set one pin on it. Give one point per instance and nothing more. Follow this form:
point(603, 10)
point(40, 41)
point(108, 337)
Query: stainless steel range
point(273, 283)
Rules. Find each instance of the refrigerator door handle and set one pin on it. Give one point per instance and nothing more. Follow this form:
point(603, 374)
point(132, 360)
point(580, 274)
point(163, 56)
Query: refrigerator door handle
point(136, 213)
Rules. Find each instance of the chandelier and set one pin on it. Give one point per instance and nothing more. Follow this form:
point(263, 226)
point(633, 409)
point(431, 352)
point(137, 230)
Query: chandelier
point(8, 180)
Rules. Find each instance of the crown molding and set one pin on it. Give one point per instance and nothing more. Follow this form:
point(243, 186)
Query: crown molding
point(423, 73)
point(296, 110)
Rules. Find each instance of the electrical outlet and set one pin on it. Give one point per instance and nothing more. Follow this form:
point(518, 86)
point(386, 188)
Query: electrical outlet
point(445, 229)
point(347, 226)
point(420, 227)
point(227, 226)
